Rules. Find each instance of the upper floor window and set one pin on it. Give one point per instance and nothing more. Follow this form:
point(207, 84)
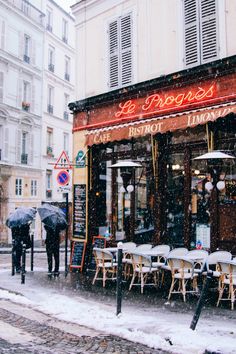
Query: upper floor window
point(24, 147)
point(33, 188)
point(50, 99)
point(49, 141)
point(120, 52)
point(26, 96)
point(64, 30)
point(51, 58)
point(66, 142)
point(49, 20)
point(200, 31)
point(67, 68)
point(18, 186)
point(66, 101)
point(26, 48)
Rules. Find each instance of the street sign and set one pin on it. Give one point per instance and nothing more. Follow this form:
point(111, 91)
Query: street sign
point(63, 189)
point(63, 177)
point(63, 162)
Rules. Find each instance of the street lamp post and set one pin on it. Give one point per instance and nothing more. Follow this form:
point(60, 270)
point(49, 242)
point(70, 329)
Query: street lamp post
point(217, 184)
point(126, 172)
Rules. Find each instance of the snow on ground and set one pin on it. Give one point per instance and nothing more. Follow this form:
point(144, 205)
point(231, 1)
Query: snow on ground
point(157, 328)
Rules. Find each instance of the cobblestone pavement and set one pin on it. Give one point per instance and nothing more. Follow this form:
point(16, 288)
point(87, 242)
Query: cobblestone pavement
point(44, 336)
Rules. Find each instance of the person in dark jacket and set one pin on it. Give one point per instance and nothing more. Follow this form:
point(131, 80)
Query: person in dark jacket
point(20, 236)
point(53, 249)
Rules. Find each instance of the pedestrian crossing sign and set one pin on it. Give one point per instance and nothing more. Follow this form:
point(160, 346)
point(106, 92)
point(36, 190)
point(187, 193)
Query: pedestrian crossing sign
point(63, 162)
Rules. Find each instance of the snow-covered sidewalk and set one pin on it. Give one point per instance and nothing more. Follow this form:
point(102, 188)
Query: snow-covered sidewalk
point(155, 327)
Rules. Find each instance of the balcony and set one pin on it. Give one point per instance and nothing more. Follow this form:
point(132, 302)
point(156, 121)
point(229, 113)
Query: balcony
point(51, 67)
point(50, 109)
point(49, 151)
point(24, 159)
point(49, 28)
point(26, 59)
point(26, 106)
point(66, 115)
point(67, 77)
point(65, 39)
point(29, 10)
point(49, 194)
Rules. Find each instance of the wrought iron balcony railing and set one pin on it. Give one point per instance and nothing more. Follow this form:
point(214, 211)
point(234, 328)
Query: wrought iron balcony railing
point(29, 10)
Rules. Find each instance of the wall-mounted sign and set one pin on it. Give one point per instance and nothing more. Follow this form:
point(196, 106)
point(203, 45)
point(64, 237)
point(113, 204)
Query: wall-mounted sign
point(79, 211)
point(63, 177)
point(203, 232)
point(80, 159)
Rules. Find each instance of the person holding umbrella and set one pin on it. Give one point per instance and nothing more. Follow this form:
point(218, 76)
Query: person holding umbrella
point(54, 221)
point(53, 249)
point(19, 223)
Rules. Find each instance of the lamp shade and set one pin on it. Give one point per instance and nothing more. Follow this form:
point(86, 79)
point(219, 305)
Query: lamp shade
point(214, 155)
point(126, 164)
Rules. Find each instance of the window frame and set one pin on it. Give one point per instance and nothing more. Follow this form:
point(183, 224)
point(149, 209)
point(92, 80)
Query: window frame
point(18, 187)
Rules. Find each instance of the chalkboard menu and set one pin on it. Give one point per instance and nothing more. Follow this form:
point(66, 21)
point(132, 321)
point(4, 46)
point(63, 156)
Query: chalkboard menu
point(79, 220)
point(100, 242)
point(77, 255)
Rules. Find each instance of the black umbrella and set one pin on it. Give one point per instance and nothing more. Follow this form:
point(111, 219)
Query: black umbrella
point(52, 216)
point(20, 216)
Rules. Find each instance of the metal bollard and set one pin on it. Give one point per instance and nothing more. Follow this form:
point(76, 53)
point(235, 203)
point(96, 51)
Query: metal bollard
point(119, 279)
point(32, 253)
point(200, 303)
point(23, 264)
point(13, 255)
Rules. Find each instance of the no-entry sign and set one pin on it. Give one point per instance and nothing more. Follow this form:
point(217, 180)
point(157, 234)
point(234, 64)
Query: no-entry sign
point(63, 177)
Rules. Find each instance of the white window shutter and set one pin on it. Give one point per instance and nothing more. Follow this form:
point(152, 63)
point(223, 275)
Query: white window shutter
point(33, 52)
point(208, 31)
point(126, 49)
point(191, 33)
point(21, 45)
point(31, 149)
point(32, 103)
point(113, 54)
point(20, 92)
point(6, 143)
point(18, 145)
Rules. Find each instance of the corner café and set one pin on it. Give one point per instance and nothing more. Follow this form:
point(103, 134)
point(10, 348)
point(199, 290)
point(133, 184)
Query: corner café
point(164, 124)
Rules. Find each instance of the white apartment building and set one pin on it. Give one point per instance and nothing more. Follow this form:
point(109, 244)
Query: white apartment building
point(58, 91)
point(35, 87)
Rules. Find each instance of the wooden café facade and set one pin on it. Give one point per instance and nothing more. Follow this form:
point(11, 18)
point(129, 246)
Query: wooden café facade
point(163, 125)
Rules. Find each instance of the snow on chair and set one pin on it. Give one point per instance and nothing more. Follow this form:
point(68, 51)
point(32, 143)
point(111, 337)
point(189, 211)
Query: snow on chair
point(182, 272)
point(104, 264)
point(128, 247)
point(227, 283)
point(143, 270)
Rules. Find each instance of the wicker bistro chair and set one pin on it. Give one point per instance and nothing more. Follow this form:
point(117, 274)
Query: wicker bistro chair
point(161, 260)
point(212, 261)
point(128, 247)
point(227, 282)
point(104, 264)
point(176, 252)
point(199, 257)
point(143, 271)
point(182, 271)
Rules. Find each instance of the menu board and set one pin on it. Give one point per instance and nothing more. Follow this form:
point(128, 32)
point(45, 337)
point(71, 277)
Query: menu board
point(100, 242)
point(79, 220)
point(203, 232)
point(77, 255)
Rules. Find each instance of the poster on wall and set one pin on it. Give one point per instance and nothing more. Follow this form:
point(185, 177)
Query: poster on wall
point(203, 232)
point(79, 217)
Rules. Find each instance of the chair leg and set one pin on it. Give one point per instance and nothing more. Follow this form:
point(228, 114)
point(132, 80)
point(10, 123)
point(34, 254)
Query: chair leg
point(95, 276)
point(184, 289)
point(221, 291)
point(171, 288)
point(132, 281)
point(142, 283)
point(104, 278)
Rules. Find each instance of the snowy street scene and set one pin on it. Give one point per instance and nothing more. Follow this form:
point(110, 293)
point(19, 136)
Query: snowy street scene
point(117, 176)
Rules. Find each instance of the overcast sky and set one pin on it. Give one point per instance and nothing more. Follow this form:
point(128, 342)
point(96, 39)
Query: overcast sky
point(66, 4)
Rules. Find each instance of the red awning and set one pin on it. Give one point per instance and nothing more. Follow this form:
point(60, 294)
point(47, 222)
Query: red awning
point(158, 125)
